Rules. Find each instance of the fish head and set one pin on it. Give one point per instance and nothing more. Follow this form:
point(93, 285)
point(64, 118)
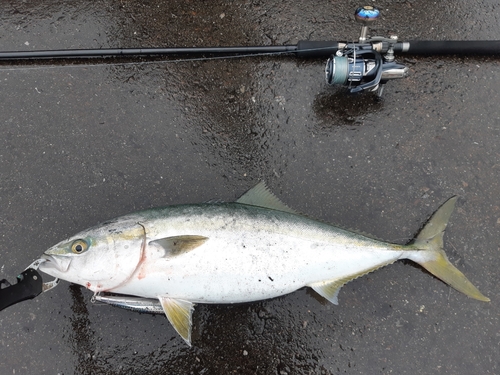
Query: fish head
point(101, 258)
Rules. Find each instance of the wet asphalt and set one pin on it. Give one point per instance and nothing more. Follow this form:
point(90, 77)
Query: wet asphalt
point(82, 143)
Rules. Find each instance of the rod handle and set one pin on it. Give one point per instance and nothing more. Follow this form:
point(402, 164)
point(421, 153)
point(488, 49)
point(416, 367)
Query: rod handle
point(449, 47)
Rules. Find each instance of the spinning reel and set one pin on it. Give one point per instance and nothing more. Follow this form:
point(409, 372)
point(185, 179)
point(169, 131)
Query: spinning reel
point(368, 64)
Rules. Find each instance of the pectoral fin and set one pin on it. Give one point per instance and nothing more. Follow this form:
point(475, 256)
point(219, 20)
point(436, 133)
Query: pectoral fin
point(180, 244)
point(179, 314)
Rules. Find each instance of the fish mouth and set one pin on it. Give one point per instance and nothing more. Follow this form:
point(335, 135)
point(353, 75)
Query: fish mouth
point(58, 263)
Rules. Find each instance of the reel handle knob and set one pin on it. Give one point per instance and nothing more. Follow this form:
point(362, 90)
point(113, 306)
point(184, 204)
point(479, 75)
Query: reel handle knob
point(366, 15)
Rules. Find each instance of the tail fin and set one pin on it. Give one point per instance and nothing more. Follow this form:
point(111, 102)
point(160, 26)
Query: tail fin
point(431, 256)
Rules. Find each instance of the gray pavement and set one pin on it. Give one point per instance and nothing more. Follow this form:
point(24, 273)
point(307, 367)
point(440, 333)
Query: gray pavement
point(84, 143)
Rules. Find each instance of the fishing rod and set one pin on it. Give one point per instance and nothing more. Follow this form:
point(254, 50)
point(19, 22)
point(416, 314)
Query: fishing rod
point(365, 65)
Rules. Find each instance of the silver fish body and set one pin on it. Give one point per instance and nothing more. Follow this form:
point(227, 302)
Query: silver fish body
point(252, 249)
point(244, 253)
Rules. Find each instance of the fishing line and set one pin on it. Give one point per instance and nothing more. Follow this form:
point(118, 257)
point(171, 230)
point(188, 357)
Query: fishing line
point(171, 61)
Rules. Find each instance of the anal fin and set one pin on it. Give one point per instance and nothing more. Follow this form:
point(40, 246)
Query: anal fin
point(179, 313)
point(329, 289)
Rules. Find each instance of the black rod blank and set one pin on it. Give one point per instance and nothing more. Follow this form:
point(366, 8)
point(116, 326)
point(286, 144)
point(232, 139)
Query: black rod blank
point(303, 49)
point(118, 52)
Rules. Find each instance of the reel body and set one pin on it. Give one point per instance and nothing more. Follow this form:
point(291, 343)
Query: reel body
point(361, 66)
point(361, 69)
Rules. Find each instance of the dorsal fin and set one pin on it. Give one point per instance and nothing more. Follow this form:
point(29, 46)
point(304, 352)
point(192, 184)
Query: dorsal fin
point(260, 196)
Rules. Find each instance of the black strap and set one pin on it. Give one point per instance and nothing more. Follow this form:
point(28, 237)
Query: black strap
point(29, 285)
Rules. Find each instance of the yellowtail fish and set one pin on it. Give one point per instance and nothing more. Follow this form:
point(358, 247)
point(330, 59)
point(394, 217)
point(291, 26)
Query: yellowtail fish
point(252, 249)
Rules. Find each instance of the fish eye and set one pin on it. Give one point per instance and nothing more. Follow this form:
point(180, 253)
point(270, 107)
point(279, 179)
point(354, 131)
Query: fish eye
point(79, 246)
